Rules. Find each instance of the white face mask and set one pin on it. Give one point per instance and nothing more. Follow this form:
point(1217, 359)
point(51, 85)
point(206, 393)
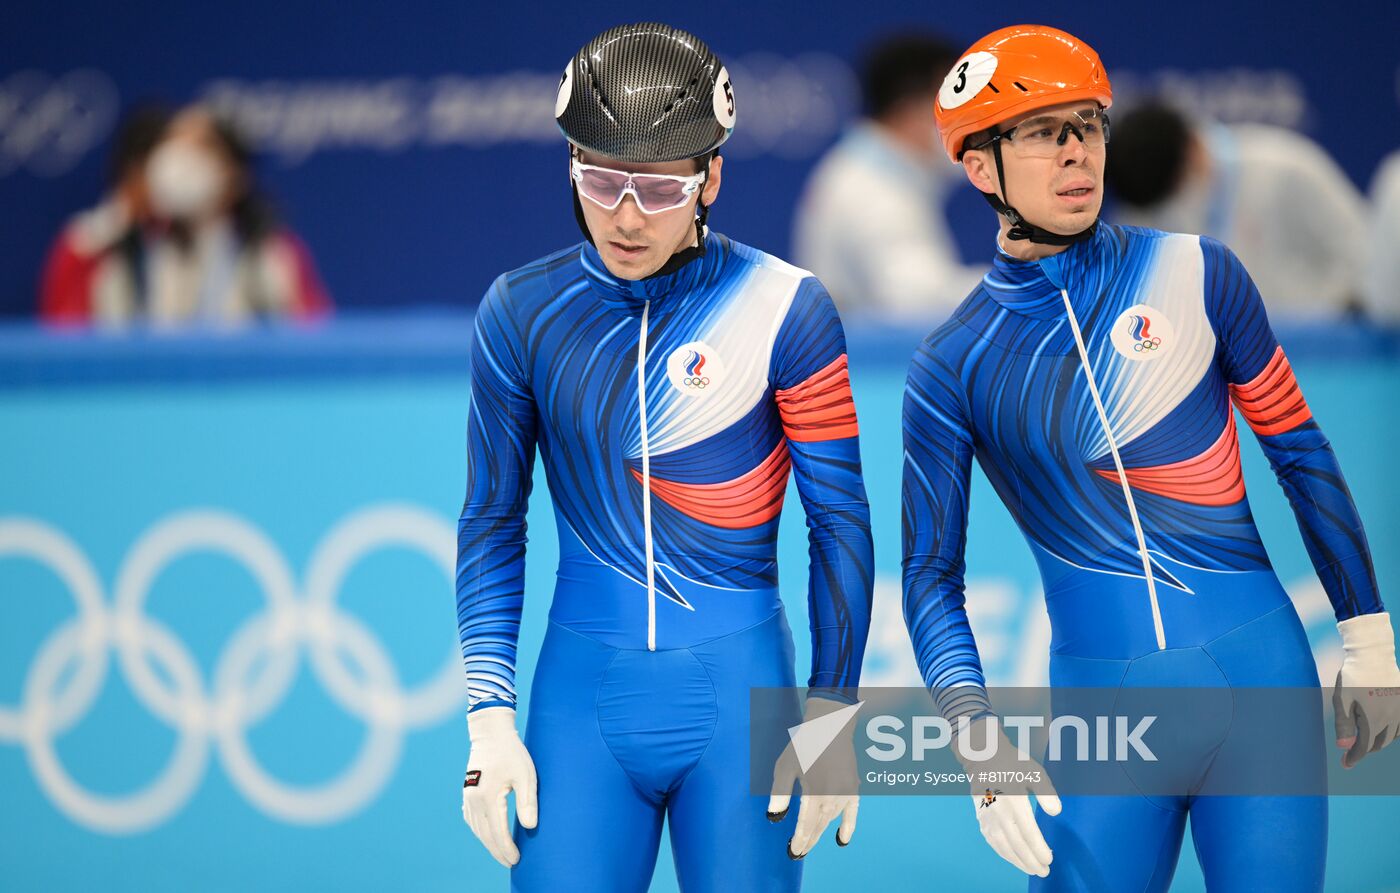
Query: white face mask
point(184, 181)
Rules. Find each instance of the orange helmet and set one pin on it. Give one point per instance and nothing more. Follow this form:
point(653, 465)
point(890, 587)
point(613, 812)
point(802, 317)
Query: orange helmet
point(1012, 71)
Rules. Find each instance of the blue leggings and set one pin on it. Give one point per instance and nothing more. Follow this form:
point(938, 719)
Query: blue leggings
point(1130, 843)
point(623, 739)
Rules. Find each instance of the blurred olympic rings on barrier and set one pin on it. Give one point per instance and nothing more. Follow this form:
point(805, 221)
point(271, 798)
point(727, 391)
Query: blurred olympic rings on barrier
point(253, 673)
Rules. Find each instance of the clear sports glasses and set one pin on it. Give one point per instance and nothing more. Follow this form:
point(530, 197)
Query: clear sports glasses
point(653, 193)
point(1042, 136)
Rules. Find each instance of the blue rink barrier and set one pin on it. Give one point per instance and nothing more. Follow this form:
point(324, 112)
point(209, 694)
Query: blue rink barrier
point(228, 652)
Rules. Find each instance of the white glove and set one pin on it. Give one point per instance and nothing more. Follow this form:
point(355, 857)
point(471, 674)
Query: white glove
point(1367, 697)
point(498, 764)
point(1004, 809)
point(835, 773)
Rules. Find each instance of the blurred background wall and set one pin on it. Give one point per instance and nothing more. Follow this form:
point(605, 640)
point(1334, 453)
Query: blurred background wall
point(412, 144)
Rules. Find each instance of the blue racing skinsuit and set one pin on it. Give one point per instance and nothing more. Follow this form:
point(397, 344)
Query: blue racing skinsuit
point(1095, 389)
point(668, 412)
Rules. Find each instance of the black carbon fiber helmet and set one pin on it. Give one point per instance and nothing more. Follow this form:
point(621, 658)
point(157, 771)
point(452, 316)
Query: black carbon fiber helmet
point(646, 93)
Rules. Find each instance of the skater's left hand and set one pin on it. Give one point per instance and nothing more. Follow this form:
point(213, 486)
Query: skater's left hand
point(1366, 700)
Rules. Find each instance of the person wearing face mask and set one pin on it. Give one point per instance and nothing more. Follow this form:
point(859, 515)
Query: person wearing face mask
point(224, 258)
point(872, 221)
point(207, 250)
point(1273, 195)
point(1092, 373)
point(670, 378)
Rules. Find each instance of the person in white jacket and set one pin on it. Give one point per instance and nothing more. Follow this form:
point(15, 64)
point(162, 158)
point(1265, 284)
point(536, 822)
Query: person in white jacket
point(1274, 196)
point(871, 223)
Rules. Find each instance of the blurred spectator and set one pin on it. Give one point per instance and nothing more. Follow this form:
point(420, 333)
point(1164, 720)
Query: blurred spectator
point(1383, 268)
point(871, 223)
point(1271, 194)
point(184, 237)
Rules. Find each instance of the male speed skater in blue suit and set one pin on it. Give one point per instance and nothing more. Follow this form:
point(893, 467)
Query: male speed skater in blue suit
point(1094, 374)
point(671, 379)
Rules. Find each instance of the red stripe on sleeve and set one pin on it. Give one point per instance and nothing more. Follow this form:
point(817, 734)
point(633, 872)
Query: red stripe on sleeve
point(1272, 402)
point(821, 407)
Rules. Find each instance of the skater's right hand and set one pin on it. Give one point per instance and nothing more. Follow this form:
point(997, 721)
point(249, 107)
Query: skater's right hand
point(498, 764)
point(830, 784)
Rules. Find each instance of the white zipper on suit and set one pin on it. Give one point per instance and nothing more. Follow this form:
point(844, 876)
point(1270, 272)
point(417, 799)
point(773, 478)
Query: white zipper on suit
point(1122, 475)
point(646, 479)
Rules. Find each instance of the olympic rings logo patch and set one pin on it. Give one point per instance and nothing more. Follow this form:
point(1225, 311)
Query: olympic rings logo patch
point(1142, 333)
point(250, 677)
point(693, 368)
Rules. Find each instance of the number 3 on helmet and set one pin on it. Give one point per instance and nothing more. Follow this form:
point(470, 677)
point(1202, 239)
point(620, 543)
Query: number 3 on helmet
point(1014, 71)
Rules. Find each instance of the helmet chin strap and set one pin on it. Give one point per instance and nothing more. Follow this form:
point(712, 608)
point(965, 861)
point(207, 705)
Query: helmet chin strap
point(1022, 229)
